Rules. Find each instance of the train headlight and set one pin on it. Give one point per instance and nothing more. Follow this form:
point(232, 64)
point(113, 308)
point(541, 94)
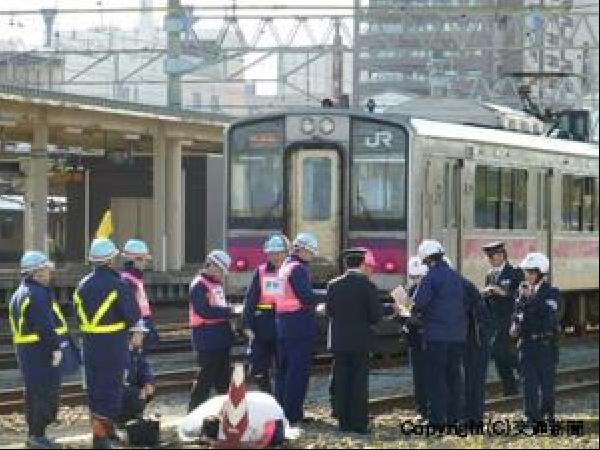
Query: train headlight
point(390, 267)
point(326, 125)
point(307, 125)
point(241, 265)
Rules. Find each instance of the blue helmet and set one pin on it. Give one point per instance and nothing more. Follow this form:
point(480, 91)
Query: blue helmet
point(102, 250)
point(307, 241)
point(34, 260)
point(136, 248)
point(277, 243)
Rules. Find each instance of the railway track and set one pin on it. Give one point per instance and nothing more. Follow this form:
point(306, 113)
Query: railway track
point(570, 382)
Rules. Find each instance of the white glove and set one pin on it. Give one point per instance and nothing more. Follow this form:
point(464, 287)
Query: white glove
point(321, 309)
point(57, 356)
point(249, 334)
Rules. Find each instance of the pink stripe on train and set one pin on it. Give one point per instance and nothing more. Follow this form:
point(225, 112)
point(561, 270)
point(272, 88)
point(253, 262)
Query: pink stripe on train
point(575, 248)
point(516, 247)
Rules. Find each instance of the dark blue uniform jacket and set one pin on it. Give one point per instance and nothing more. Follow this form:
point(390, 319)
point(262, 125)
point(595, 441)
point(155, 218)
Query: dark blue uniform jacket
point(440, 301)
point(259, 321)
point(214, 337)
point(301, 324)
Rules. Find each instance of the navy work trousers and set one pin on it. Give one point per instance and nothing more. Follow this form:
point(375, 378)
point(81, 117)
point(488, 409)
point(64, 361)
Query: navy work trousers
point(444, 362)
point(293, 372)
point(538, 366)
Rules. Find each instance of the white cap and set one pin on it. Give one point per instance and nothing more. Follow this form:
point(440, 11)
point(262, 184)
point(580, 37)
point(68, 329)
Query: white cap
point(535, 261)
point(430, 247)
point(221, 259)
point(416, 268)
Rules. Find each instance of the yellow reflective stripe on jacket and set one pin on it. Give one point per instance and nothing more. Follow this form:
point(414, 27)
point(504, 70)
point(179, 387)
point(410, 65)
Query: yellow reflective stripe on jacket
point(32, 338)
point(63, 328)
point(17, 329)
point(93, 327)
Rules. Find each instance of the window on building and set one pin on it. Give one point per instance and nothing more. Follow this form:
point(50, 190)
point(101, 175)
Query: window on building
point(215, 103)
point(500, 198)
point(197, 100)
point(579, 203)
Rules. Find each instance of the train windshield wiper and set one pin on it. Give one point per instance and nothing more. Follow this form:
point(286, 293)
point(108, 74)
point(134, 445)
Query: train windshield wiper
point(366, 212)
point(269, 212)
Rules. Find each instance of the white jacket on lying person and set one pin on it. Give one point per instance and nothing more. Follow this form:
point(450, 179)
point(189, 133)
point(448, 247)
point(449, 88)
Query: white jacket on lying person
point(238, 419)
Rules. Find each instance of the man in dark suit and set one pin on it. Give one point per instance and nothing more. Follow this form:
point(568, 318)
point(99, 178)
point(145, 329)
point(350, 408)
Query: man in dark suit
point(500, 292)
point(353, 307)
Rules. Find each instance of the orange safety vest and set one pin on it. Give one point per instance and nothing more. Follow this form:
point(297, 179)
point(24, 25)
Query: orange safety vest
point(216, 297)
point(140, 294)
point(271, 288)
point(288, 302)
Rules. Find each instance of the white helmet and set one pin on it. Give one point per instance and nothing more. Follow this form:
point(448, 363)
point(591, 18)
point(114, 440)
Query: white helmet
point(221, 259)
point(307, 241)
point(536, 261)
point(430, 247)
point(416, 268)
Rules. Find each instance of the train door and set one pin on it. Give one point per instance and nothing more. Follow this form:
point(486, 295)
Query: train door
point(314, 198)
point(443, 197)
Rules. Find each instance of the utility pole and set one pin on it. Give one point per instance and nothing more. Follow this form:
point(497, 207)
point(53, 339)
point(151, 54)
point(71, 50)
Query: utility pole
point(337, 68)
point(356, 56)
point(174, 50)
point(541, 59)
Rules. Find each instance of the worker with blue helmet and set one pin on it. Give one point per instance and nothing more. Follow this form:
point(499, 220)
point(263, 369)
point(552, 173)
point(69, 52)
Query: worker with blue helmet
point(39, 334)
point(106, 308)
point(137, 255)
point(296, 326)
point(259, 311)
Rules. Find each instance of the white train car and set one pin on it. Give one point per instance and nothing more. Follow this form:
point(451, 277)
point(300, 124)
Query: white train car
point(389, 181)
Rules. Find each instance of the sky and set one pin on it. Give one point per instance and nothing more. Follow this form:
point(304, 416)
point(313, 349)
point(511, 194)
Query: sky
point(30, 27)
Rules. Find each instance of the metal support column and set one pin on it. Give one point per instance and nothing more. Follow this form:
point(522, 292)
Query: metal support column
point(159, 159)
point(36, 195)
point(174, 206)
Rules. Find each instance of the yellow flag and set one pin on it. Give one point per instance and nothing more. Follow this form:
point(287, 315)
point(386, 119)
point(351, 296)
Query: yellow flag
point(105, 229)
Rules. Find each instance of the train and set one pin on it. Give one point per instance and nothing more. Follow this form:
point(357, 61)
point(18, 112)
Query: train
point(387, 181)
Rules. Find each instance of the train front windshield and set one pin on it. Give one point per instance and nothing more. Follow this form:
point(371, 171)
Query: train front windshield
point(345, 183)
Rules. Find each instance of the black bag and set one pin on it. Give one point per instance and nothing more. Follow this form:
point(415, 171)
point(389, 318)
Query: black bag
point(143, 432)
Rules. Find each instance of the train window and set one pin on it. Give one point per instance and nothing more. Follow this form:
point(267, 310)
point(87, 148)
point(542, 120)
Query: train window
point(378, 176)
point(7, 227)
point(447, 195)
point(579, 203)
point(316, 187)
point(500, 198)
point(520, 199)
point(542, 202)
point(256, 171)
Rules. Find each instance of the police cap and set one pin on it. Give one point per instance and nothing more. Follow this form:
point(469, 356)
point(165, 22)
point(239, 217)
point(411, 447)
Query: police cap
point(361, 253)
point(494, 247)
